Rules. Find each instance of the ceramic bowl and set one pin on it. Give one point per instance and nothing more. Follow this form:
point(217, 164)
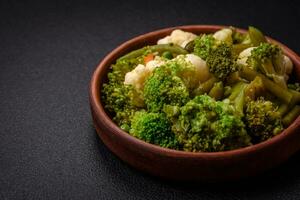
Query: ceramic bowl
point(180, 165)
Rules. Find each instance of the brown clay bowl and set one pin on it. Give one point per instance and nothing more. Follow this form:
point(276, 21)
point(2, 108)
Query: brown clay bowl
point(180, 165)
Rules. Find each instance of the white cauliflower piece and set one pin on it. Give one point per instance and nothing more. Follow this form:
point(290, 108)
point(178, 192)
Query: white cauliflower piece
point(178, 37)
point(286, 61)
point(243, 56)
point(140, 73)
point(201, 69)
point(224, 35)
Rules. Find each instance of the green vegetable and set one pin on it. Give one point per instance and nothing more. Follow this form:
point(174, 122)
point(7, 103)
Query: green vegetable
point(236, 89)
point(221, 62)
point(208, 125)
point(268, 59)
point(153, 128)
point(164, 87)
point(255, 89)
point(190, 46)
point(231, 107)
point(167, 55)
point(160, 48)
point(294, 86)
point(291, 116)
point(205, 87)
point(262, 120)
point(217, 92)
point(118, 100)
point(203, 45)
point(281, 93)
point(256, 36)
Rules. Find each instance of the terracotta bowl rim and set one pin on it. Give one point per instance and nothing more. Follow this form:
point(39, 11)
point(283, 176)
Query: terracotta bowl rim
point(101, 115)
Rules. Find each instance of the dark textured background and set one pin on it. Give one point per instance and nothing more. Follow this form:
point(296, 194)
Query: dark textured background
point(48, 51)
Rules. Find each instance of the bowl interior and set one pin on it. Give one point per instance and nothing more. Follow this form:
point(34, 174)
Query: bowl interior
point(100, 77)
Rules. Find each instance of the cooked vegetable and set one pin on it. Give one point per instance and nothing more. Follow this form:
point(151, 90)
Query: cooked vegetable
point(221, 62)
point(208, 125)
point(206, 93)
point(256, 36)
point(153, 128)
point(163, 87)
point(268, 59)
point(262, 120)
point(217, 92)
point(203, 45)
point(160, 48)
point(291, 116)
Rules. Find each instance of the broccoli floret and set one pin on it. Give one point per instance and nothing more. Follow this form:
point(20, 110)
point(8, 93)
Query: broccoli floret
point(164, 87)
point(203, 45)
point(221, 61)
point(268, 59)
point(208, 125)
point(121, 67)
point(153, 128)
point(262, 120)
point(120, 100)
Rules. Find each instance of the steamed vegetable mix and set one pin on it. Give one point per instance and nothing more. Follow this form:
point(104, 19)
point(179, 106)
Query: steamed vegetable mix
point(204, 93)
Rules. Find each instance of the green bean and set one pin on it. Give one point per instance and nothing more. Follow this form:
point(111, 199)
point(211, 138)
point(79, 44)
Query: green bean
point(282, 109)
point(237, 88)
point(291, 116)
point(276, 90)
point(227, 91)
point(255, 88)
point(135, 53)
point(256, 36)
point(173, 48)
point(296, 97)
point(238, 48)
point(247, 73)
point(205, 87)
point(217, 91)
point(283, 94)
point(233, 78)
point(160, 48)
point(239, 102)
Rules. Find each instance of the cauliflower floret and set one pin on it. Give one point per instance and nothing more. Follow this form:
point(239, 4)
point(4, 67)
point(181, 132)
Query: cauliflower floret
point(137, 76)
point(242, 59)
point(224, 35)
point(178, 37)
point(158, 61)
point(140, 73)
point(202, 71)
point(286, 61)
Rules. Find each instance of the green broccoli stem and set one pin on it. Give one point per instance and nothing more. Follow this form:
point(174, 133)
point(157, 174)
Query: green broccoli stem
point(160, 48)
point(291, 116)
point(237, 88)
point(205, 87)
point(283, 94)
point(217, 91)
